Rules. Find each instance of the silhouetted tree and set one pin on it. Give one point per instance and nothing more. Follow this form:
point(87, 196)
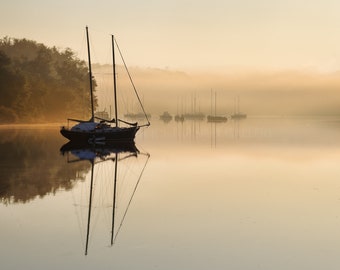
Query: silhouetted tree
point(40, 83)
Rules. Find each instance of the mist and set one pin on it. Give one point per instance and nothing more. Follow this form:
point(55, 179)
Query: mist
point(276, 93)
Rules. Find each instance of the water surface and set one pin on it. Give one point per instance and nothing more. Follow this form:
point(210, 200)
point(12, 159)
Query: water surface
point(261, 193)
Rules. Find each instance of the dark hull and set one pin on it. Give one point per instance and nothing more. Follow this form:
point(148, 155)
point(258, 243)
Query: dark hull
point(100, 136)
point(238, 116)
point(217, 119)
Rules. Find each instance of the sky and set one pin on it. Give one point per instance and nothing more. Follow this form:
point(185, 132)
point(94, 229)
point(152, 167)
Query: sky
point(187, 34)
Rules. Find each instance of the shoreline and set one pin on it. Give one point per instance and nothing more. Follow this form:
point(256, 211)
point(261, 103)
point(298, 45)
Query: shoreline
point(29, 125)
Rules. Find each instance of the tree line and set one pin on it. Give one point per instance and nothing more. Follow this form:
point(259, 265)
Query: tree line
point(41, 84)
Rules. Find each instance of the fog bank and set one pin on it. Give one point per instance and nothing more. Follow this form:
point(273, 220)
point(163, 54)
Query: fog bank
point(259, 93)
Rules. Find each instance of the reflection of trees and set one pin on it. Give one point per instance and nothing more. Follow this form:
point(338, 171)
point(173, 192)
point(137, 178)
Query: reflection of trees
point(32, 165)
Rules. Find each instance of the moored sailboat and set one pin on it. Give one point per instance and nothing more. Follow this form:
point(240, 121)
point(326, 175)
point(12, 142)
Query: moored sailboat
point(237, 115)
point(214, 117)
point(99, 130)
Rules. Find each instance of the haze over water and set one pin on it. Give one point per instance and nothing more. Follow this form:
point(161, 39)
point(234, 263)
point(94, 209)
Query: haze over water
point(261, 193)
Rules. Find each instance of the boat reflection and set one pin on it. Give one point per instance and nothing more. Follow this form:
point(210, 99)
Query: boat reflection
point(111, 155)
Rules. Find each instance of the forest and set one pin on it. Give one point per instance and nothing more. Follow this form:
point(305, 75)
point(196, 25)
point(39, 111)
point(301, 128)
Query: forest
point(40, 84)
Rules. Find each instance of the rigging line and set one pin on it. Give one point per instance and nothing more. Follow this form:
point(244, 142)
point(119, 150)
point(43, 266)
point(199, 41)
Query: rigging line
point(134, 88)
point(133, 193)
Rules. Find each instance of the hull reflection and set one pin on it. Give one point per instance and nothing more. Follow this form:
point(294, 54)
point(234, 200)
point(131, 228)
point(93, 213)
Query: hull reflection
point(111, 155)
point(81, 150)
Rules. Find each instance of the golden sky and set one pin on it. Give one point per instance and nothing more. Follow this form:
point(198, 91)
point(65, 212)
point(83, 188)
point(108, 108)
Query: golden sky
point(186, 34)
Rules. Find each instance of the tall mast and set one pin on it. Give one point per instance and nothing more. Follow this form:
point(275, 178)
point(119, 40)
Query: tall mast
point(211, 102)
point(215, 103)
point(90, 73)
point(114, 79)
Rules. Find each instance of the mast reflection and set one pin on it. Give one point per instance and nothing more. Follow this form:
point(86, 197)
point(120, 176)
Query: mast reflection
point(112, 154)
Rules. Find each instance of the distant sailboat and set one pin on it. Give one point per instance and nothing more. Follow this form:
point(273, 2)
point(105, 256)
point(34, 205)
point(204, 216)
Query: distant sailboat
point(214, 117)
point(166, 117)
point(98, 130)
point(237, 114)
point(179, 118)
point(194, 114)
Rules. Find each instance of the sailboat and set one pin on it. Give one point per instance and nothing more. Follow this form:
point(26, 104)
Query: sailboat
point(112, 155)
point(98, 130)
point(194, 114)
point(214, 117)
point(237, 115)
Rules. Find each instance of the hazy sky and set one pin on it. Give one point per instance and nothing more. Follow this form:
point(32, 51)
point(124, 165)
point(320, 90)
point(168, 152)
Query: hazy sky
point(182, 34)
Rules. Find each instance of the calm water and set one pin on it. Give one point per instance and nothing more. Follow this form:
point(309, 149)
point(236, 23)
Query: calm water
point(261, 193)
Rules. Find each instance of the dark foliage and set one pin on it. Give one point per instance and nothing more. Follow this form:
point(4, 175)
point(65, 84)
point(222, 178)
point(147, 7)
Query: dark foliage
point(41, 84)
